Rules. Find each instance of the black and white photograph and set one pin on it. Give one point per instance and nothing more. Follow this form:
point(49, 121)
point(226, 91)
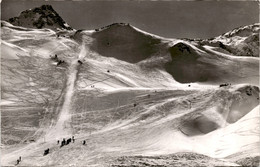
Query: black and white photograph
point(129, 83)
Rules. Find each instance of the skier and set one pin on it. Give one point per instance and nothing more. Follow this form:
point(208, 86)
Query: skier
point(84, 142)
point(63, 142)
point(80, 62)
point(59, 62)
point(58, 142)
point(73, 140)
point(68, 141)
point(46, 151)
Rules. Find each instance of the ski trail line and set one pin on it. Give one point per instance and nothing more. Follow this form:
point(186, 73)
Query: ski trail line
point(62, 128)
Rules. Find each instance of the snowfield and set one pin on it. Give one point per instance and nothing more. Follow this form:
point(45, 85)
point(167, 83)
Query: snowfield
point(135, 98)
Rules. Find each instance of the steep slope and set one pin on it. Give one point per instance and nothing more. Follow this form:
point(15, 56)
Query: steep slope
point(127, 93)
point(246, 134)
point(186, 61)
point(31, 82)
point(40, 17)
point(126, 43)
point(239, 101)
point(191, 63)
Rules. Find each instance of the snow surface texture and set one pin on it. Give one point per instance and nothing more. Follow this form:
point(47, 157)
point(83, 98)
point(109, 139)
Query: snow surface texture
point(134, 97)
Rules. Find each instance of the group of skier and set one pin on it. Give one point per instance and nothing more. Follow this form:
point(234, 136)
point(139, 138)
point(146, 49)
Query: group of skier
point(63, 143)
point(224, 84)
point(59, 61)
point(56, 59)
point(66, 142)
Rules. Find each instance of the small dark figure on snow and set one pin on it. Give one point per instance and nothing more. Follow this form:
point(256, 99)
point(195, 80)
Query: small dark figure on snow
point(222, 85)
point(59, 62)
point(73, 140)
point(135, 104)
point(55, 58)
point(46, 151)
point(249, 92)
point(58, 142)
point(108, 71)
point(17, 161)
point(68, 141)
point(84, 142)
point(63, 143)
point(20, 158)
point(80, 62)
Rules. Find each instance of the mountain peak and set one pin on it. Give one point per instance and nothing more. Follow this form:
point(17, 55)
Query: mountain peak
point(40, 17)
point(243, 31)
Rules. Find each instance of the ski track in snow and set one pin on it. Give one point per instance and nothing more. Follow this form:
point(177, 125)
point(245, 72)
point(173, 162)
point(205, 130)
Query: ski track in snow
point(62, 127)
point(213, 144)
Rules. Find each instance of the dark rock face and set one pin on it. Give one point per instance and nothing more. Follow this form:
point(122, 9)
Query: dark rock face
point(40, 17)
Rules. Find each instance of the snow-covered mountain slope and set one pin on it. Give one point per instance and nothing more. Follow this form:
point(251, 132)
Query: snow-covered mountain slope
point(40, 17)
point(246, 134)
point(191, 64)
point(127, 93)
point(242, 41)
point(186, 61)
point(124, 42)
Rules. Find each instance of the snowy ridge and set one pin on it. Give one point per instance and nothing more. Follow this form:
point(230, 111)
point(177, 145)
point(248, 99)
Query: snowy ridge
point(127, 93)
point(243, 31)
point(243, 41)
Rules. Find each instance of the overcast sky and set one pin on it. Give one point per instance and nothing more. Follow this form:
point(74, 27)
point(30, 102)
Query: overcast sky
point(175, 19)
